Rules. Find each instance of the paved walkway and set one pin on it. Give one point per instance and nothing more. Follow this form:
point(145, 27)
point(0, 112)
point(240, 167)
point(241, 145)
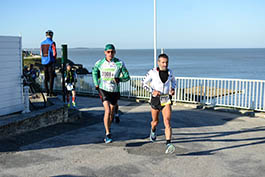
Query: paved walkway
point(208, 144)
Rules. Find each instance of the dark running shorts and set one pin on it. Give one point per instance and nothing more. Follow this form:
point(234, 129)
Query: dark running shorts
point(71, 90)
point(112, 97)
point(155, 103)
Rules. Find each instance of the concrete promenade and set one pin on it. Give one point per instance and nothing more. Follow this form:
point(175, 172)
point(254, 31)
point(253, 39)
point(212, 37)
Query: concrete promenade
point(208, 144)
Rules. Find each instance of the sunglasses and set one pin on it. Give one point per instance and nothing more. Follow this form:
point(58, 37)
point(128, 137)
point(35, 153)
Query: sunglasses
point(110, 51)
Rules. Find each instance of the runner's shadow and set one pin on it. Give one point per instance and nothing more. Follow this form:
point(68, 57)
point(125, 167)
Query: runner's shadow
point(137, 144)
point(212, 151)
point(67, 176)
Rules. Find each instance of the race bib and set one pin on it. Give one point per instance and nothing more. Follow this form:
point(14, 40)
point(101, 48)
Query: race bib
point(108, 74)
point(70, 87)
point(164, 100)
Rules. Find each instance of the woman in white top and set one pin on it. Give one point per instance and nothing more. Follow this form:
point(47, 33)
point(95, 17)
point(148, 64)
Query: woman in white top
point(161, 83)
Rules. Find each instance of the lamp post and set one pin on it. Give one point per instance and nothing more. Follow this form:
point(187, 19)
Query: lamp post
point(155, 35)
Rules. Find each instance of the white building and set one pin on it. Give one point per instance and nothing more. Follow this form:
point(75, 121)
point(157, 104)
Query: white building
point(11, 89)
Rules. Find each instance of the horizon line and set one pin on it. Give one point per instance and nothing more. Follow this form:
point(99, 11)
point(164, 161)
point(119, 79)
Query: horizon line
point(153, 49)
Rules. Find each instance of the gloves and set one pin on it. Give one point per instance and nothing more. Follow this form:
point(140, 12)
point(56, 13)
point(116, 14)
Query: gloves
point(117, 80)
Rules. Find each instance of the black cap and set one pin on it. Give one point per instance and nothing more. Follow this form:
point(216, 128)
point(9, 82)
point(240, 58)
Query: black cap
point(49, 32)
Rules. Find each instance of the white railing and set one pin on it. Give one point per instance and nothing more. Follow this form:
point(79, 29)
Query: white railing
point(236, 93)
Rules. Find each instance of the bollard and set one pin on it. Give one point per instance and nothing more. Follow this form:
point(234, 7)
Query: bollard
point(26, 100)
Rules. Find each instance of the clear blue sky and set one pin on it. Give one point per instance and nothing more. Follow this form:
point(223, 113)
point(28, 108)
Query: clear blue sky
point(129, 24)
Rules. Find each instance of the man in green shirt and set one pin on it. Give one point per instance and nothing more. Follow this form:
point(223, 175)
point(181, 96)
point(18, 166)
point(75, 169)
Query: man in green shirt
point(107, 74)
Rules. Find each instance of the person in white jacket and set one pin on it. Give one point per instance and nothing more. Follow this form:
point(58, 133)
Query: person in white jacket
point(161, 83)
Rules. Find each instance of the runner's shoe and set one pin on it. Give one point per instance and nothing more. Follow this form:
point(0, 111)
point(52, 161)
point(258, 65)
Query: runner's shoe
point(170, 148)
point(152, 136)
point(108, 139)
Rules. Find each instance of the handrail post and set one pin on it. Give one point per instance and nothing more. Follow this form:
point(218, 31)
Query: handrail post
point(63, 62)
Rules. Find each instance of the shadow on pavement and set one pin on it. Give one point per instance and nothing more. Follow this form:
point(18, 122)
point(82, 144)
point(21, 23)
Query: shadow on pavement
point(68, 176)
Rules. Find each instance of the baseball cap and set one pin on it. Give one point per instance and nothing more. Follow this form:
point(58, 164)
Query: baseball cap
point(109, 47)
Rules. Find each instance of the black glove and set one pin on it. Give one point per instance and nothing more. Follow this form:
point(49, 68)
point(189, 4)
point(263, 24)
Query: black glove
point(117, 80)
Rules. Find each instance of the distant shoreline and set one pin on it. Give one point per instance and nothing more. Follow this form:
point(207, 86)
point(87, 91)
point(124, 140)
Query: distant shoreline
point(87, 48)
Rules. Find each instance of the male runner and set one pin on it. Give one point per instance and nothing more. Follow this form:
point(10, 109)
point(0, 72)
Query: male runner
point(111, 71)
point(162, 87)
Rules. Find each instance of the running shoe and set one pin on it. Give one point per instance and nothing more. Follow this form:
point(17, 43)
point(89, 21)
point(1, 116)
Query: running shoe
point(152, 136)
point(108, 139)
point(170, 148)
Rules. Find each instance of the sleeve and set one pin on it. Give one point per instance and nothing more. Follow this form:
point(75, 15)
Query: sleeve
point(145, 82)
point(124, 74)
point(75, 78)
point(95, 74)
point(54, 50)
point(173, 82)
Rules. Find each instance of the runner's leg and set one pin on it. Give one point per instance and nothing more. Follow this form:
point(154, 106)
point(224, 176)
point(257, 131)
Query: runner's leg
point(106, 105)
point(73, 96)
point(170, 148)
point(112, 111)
point(166, 112)
point(155, 119)
point(46, 79)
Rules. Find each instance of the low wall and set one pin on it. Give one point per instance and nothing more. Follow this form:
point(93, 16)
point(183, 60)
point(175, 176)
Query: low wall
point(57, 113)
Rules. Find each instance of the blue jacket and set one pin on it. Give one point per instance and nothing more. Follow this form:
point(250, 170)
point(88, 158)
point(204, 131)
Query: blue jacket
point(47, 53)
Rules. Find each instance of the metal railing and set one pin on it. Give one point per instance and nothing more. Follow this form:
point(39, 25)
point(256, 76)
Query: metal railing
point(235, 93)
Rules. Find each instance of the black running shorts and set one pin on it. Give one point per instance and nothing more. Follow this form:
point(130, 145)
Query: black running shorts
point(112, 97)
point(156, 104)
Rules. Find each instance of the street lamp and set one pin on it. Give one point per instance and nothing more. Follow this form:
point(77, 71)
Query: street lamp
point(155, 35)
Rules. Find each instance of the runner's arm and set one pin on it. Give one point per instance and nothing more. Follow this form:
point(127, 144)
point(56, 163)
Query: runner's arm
point(145, 82)
point(124, 74)
point(173, 85)
point(95, 75)
point(75, 78)
point(54, 50)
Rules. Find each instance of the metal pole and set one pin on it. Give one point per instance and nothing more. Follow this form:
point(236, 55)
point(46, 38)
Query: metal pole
point(63, 62)
point(26, 100)
point(155, 35)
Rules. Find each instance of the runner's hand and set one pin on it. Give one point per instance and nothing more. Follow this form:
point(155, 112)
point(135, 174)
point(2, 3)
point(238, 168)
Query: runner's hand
point(117, 80)
point(172, 92)
point(156, 93)
point(97, 87)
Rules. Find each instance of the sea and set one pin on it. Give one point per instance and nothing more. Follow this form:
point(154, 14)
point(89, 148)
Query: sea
point(246, 63)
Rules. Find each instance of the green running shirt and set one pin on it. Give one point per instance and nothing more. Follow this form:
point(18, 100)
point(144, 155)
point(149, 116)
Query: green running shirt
point(104, 73)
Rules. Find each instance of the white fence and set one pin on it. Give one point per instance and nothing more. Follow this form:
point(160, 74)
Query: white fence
point(11, 90)
point(236, 93)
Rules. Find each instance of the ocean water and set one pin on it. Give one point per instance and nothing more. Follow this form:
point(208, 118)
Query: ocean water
point(206, 63)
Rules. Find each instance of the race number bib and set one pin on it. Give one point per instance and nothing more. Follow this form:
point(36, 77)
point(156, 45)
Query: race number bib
point(108, 74)
point(164, 100)
point(70, 87)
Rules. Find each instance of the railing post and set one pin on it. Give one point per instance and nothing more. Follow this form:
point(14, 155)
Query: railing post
point(26, 100)
point(63, 62)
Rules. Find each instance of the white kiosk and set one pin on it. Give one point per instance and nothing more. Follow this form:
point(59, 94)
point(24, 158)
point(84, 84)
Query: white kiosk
point(11, 89)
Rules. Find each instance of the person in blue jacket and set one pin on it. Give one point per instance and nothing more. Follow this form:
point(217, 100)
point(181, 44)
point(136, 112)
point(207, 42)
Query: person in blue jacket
point(48, 59)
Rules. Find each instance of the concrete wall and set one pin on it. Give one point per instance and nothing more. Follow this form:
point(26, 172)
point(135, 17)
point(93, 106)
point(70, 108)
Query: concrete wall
point(57, 113)
point(11, 92)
